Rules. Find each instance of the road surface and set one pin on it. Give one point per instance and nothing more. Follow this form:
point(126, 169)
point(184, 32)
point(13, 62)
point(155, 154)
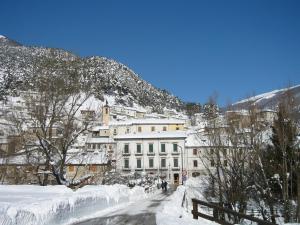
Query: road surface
point(141, 212)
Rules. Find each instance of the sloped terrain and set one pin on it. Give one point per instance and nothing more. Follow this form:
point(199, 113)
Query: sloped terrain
point(19, 65)
point(269, 100)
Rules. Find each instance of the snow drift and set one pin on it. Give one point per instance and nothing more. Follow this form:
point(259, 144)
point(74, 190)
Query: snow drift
point(31, 205)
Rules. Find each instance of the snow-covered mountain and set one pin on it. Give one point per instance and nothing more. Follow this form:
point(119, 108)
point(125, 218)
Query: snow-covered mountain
point(106, 76)
point(269, 100)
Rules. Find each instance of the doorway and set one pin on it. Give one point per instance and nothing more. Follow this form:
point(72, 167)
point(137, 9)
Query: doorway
point(176, 179)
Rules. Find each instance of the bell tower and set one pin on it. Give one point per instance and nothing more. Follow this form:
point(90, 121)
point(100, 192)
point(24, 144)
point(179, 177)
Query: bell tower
point(105, 114)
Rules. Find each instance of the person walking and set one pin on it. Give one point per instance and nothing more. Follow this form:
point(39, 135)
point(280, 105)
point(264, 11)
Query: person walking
point(166, 185)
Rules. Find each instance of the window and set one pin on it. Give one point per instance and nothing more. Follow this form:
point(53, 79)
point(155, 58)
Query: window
point(126, 163)
point(195, 163)
point(164, 128)
point(194, 151)
point(126, 148)
point(106, 110)
point(152, 128)
point(138, 163)
point(115, 131)
point(212, 163)
point(127, 130)
point(138, 148)
point(175, 147)
point(211, 151)
point(175, 161)
point(151, 148)
point(163, 147)
point(224, 152)
point(139, 129)
point(71, 168)
point(177, 128)
point(93, 168)
point(163, 163)
point(151, 163)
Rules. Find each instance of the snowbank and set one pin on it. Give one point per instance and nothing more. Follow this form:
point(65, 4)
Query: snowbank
point(30, 205)
point(171, 212)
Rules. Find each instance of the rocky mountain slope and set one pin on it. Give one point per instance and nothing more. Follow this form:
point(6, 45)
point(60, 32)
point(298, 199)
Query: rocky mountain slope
point(18, 65)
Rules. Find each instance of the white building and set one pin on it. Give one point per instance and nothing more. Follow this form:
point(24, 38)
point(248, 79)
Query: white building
point(157, 153)
point(135, 126)
point(196, 147)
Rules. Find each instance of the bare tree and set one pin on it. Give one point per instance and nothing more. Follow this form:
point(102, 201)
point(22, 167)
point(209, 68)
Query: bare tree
point(52, 115)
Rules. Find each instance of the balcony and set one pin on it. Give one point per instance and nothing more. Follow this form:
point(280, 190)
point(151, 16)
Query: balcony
point(151, 168)
point(138, 169)
point(150, 153)
point(138, 153)
point(125, 153)
point(163, 168)
point(175, 168)
point(163, 153)
point(175, 153)
point(126, 169)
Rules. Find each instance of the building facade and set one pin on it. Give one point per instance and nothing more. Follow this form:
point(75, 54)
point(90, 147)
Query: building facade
point(157, 153)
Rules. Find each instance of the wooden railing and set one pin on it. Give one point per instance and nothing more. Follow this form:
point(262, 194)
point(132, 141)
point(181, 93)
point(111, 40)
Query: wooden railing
point(223, 215)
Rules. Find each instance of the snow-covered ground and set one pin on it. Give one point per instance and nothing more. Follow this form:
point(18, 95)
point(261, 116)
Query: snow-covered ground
point(172, 212)
point(30, 205)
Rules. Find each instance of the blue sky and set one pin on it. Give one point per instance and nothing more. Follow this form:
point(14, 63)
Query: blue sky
point(191, 48)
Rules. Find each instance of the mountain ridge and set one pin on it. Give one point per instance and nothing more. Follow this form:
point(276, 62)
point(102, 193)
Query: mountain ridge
point(268, 100)
point(107, 75)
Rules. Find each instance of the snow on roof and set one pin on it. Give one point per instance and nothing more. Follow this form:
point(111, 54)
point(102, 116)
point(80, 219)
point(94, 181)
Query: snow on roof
point(100, 140)
point(155, 115)
point(73, 157)
point(135, 109)
point(87, 158)
point(1, 36)
point(147, 121)
point(80, 141)
point(196, 140)
point(22, 159)
point(154, 135)
point(97, 128)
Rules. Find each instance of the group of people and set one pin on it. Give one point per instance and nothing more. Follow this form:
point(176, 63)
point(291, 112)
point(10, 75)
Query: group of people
point(164, 185)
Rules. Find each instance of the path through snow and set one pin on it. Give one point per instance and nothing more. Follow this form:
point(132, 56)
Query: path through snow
point(141, 212)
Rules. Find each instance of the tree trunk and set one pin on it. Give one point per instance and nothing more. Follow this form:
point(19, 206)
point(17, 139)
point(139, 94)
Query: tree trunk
point(271, 206)
point(286, 206)
point(298, 194)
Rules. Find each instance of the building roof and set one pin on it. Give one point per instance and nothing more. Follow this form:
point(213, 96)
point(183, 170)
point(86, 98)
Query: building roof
point(100, 140)
point(76, 157)
point(154, 135)
point(196, 140)
point(98, 128)
point(87, 158)
point(148, 121)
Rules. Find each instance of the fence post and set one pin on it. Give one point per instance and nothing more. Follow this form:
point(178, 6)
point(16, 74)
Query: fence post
point(216, 213)
point(195, 210)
